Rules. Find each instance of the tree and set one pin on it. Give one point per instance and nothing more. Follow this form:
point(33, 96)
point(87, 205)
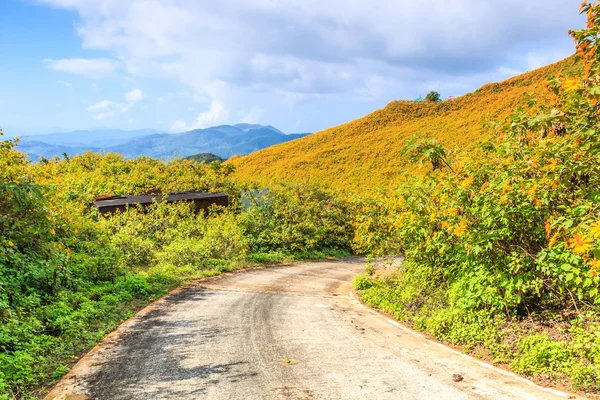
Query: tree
point(433, 96)
point(420, 149)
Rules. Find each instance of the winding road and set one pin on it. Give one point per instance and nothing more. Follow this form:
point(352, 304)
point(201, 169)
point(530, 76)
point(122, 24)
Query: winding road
point(289, 332)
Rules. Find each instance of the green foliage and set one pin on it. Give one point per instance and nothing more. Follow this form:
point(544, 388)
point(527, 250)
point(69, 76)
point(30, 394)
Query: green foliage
point(206, 158)
point(433, 97)
point(68, 275)
point(508, 235)
point(295, 218)
point(427, 149)
point(362, 282)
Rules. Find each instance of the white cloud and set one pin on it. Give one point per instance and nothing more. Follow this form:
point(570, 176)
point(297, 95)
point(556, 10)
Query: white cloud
point(104, 115)
point(179, 126)
point(297, 52)
point(107, 108)
point(134, 96)
point(102, 105)
point(93, 68)
point(215, 115)
point(253, 116)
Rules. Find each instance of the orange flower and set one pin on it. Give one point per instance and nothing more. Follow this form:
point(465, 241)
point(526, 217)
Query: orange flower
point(580, 244)
point(484, 186)
point(534, 162)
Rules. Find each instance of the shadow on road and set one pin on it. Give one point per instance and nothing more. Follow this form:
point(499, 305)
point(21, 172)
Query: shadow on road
point(149, 358)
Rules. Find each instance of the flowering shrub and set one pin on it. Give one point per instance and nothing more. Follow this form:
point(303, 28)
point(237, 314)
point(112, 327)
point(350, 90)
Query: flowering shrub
point(365, 155)
point(510, 231)
point(68, 274)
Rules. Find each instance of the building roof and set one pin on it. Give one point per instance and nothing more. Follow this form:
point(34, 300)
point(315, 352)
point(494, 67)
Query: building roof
point(150, 198)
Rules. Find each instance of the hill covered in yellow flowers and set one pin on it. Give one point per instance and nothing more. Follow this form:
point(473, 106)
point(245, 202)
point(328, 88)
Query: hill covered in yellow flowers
point(365, 154)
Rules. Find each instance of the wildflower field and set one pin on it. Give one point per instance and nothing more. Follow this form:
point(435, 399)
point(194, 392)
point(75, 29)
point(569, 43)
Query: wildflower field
point(493, 200)
point(68, 275)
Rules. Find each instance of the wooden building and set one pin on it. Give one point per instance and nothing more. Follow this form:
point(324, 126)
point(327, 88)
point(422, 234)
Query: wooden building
point(202, 201)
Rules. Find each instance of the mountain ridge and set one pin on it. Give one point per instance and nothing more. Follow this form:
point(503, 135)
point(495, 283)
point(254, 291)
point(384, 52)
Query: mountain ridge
point(223, 141)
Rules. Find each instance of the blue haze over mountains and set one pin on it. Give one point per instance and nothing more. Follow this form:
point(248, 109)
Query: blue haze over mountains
point(224, 141)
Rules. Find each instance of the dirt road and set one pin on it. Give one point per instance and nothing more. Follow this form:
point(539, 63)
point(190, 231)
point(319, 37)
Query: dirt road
point(290, 332)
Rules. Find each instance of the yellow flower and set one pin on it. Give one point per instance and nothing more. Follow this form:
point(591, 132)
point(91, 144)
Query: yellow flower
point(580, 244)
point(595, 264)
point(452, 211)
point(11, 244)
point(460, 230)
point(467, 182)
point(595, 229)
point(572, 85)
point(552, 241)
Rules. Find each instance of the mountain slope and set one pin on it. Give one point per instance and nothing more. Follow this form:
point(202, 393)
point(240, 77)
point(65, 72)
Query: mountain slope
point(365, 154)
point(223, 141)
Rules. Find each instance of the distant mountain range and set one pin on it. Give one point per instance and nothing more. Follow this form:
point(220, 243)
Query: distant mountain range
point(223, 141)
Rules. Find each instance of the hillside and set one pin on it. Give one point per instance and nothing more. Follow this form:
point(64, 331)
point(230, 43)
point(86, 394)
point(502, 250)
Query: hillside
point(223, 141)
point(368, 150)
point(205, 158)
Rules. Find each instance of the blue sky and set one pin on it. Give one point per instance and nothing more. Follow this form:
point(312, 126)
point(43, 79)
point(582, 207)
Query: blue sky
point(300, 65)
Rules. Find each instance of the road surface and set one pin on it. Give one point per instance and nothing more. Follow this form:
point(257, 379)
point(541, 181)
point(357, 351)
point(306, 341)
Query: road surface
point(289, 332)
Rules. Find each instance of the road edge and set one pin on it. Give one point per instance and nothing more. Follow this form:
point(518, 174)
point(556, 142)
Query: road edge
point(355, 296)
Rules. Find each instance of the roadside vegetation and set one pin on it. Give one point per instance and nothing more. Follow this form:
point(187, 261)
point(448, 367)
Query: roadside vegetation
point(501, 241)
point(502, 244)
point(364, 156)
point(69, 275)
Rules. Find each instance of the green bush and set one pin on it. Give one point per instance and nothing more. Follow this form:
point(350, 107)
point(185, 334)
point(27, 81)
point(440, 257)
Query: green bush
point(507, 234)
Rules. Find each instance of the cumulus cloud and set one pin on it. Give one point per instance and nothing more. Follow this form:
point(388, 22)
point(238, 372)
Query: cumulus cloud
point(106, 108)
point(215, 115)
point(302, 50)
point(253, 116)
point(93, 68)
point(134, 96)
point(102, 105)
